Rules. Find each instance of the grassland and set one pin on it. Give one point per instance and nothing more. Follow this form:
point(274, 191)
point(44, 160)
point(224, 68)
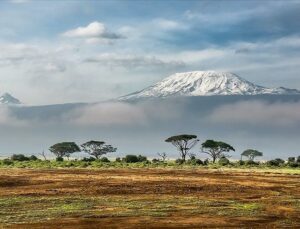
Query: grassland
point(186, 197)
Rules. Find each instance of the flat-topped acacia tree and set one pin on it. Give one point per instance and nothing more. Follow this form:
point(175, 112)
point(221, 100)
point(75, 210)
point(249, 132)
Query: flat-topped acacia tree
point(184, 143)
point(97, 148)
point(251, 154)
point(215, 149)
point(64, 149)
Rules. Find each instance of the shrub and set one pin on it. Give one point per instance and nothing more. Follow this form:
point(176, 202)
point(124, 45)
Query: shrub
point(7, 162)
point(198, 162)
point(179, 161)
point(131, 159)
point(88, 159)
point(154, 160)
point(223, 161)
point(118, 159)
point(293, 164)
point(142, 158)
point(33, 158)
point(59, 159)
point(104, 159)
point(298, 159)
point(280, 161)
point(240, 162)
point(275, 162)
point(206, 162)
point(291, 160)
point(195, 161)
point(250, 162)
point(19, 157)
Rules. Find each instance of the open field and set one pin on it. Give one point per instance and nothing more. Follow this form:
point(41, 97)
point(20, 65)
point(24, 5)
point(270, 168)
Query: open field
point(148, 198)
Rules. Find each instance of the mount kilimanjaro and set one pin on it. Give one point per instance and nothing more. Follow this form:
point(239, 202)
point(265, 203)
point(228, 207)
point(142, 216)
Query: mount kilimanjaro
point(205, 83)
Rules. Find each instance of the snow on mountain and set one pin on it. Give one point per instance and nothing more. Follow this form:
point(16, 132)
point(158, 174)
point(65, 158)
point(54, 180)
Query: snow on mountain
point(205, 83)
point(8, 99)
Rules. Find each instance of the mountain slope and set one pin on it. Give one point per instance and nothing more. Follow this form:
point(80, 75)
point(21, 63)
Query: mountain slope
point(205, 83)
point(8, 99)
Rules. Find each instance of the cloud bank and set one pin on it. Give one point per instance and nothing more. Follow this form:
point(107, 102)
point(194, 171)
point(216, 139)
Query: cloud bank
point(258, 113)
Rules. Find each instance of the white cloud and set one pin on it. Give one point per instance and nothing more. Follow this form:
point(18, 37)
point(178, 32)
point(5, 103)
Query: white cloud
point(133, 61)
point(168, 24)
point(8, 119)
point(106, 114)
point(258, 113)
point(93, 33)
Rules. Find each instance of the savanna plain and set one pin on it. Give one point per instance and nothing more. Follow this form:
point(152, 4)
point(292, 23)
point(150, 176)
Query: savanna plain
point(181, 197)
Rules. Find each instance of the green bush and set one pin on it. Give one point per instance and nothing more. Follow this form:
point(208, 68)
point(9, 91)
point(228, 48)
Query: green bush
point(7, 162)
point(251, 163)
point(88, 159)
point(131, 159)
point(206, 162)
point(298, 159)
point(274, 163)
point(240, 162)
point(134, 159)
point(155, 160)
point(33, 158)
point(293, 164)
point(59, 159)
point(142, 158)
point(179, 161)
point(195, 161)
point(19, 157)
point(118, 159)
point(104, 159)
point(291, 160)
point(223, 161)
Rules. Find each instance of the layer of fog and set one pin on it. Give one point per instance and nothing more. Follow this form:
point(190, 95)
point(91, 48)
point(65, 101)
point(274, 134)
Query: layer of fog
point(267, 123)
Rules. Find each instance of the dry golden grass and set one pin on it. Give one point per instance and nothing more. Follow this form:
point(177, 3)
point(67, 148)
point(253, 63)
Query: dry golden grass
point(148, 198)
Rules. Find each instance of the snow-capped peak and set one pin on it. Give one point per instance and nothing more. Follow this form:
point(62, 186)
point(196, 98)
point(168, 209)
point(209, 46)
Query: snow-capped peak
point(205, 83)
point(7, 98)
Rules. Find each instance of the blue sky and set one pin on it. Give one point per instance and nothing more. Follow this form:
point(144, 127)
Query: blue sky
point(84, 51)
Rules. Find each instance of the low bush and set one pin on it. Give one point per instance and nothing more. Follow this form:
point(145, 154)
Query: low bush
point(134, 159)
point(291, 160)
point(130, 159)
point(19, 157)
point(275, 162)
point(118, 159)
point(59, 159)
point(223, 161)
point(240, 162)
point(154, 160)
point(195, 161)
point(142, 158)
point(179, 161)
point(104, 159)
point(88, 159)
point(33, 158)
point(293, 164)
point(7, 162)
point(251, 163)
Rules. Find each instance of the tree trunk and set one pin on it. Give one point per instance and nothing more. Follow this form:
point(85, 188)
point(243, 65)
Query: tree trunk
point(214, 159)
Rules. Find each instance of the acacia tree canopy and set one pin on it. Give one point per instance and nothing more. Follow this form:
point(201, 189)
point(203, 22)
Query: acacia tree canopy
point(97, 148)
point(184, 143)
point(216, 149)
point(251, 154)
point(64, 149)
